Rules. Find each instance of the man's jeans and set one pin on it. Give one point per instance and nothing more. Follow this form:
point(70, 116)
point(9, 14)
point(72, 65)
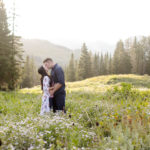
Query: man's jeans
point(58, 102)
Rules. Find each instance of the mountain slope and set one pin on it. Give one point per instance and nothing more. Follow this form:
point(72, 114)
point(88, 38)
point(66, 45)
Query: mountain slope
point(41, 49)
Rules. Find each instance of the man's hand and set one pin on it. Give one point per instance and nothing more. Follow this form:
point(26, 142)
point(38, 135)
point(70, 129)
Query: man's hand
point(55, 88)
point(51, 93)
point(51, 88)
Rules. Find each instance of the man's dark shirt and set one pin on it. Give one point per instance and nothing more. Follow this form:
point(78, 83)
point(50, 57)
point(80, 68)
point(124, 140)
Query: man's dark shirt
point(58, 77)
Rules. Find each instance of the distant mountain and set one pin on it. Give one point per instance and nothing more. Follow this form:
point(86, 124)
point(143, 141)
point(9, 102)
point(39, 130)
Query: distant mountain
point(41, 49)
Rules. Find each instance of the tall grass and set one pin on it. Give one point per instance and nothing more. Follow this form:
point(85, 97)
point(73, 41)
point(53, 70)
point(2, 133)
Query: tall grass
point(108, 112)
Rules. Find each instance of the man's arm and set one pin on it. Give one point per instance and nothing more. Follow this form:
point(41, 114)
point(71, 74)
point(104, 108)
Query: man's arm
point(57, 86)
point(60, 76)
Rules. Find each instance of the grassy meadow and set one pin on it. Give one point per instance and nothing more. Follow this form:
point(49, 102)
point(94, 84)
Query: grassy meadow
point(105, 113)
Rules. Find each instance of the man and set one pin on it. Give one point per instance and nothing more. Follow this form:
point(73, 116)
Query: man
point(58, 90)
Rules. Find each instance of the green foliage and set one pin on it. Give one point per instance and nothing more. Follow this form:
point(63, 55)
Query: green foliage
point(136, 81)
point(71, 69)
point(89, 65)
point(121, 60)
point(99, 116)
point(5, 47)
point(84, 64)
point(30, 75)
point(124, 92)
point(131, 56)
point(16, 61)
point(96, 65)
point(10, 53)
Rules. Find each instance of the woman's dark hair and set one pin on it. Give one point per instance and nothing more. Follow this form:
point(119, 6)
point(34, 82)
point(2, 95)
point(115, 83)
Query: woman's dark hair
point(43, 73)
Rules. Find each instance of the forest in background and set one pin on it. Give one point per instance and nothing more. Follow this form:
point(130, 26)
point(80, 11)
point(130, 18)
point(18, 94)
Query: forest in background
point(15, 71)
point(18, 71)
point(130, 57)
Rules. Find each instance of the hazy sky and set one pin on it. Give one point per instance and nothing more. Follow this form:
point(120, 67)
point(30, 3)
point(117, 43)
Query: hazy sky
point(82, 20)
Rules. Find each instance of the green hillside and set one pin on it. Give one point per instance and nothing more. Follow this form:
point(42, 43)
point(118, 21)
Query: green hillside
point(105, 112)
point(102, 83)
point(41, 49)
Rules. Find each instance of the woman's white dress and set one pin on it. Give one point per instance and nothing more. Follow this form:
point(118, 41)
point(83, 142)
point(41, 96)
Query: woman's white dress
point(46, 95)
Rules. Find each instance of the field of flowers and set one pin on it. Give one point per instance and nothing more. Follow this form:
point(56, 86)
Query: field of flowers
point(105, 113)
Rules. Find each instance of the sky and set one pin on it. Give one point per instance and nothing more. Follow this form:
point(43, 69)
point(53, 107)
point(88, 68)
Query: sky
point(64, 21)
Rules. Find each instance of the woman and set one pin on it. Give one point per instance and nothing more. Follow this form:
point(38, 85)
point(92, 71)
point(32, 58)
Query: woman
point(45, 85)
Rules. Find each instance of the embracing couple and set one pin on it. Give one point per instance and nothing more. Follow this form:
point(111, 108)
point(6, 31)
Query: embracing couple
point(53, 87)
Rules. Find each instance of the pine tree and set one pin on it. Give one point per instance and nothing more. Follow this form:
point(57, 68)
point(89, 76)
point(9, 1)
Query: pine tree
point(27, 80)
point(16, 61)
point(117, 59)
point(145, 48)
point(15, 57)
point(71, 69)
point(5, 46)
point(34, 73)
point(30, 75)
point(106, 64)
point(83, 67)
point(102, 65)
point(134, 56)
point(96, 65)
point(66, 72)
point(147, 70)
point(110, 65)
point(121, 60)
point(92, 65)
point(89, 63)
point(76, 70)
point(126, 63)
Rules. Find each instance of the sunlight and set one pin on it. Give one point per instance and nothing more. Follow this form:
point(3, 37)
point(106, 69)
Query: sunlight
point(82, 20)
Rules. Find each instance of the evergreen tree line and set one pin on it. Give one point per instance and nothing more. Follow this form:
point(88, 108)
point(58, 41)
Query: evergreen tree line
point(88, 65)
point(30, 76)
point(10, 52)
point(131, 56)
point(15, 72)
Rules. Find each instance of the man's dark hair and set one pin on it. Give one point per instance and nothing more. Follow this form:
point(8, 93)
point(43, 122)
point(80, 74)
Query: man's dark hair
point(47, 59)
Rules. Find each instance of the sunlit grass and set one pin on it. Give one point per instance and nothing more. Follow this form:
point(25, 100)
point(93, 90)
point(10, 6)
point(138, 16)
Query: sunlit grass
point(35, 90)
point(102, 113)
